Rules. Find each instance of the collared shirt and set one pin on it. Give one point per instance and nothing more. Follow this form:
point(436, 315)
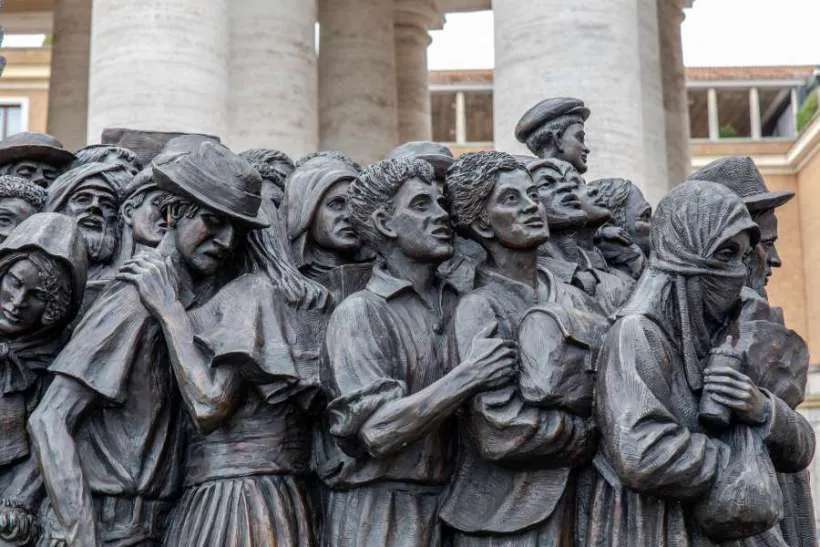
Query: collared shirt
point(384, 343)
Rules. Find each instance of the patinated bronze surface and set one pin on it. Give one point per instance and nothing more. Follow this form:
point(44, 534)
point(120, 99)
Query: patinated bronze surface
point(202, 348)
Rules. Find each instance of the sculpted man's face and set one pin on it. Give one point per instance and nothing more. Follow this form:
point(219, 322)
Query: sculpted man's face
point(420, 225)
point(572, 147)
point(331, 228)
point(40, 173)
point(206, 240)
point(13, 211)
point(767, 222)
point(94, 205)
point(22, 300)
point(514, 212)
point(639, 217)
point(560, 198)
point(145, 220)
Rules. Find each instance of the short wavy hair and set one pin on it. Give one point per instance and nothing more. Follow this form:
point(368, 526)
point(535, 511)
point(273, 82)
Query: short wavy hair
point(18, 187)
point(273, 165)
point(375, 188)
point(471, 179)
point(98, 154)
point(551, 132)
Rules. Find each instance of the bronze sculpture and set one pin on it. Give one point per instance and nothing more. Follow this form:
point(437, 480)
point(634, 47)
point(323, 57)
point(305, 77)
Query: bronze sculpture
point(660, 466)
point(19, 199)
point(554, 128)
point(514, 484)
point(106, 153)
point(394, 395)
point(42, 277)
point(37, 157)
point(274, 167)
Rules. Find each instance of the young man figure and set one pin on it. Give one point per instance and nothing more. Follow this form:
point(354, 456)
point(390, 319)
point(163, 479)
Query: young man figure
point(515, 482)
point(36, 157)
point(108, 434)
point(391, 371)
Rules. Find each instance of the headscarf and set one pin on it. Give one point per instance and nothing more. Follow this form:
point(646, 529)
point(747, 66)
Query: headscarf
point(303, 193)
point(114, 175)
point(690, 224)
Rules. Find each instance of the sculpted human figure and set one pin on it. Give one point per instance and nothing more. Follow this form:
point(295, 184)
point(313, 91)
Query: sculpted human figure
point(777, 358)
point(514, 484)
point(109, 430)
point(42, 275)
point(570, 253)
point(106, 153)
point(36, 157)
point(679, 471)
point(274, 167)
point(19, 199)
point(554, 128)
point(394, 394)
point(91, 194)
point(624, 239)
point(143, 225)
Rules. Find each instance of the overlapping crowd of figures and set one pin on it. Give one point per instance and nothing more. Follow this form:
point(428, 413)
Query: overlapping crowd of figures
point(202, 348)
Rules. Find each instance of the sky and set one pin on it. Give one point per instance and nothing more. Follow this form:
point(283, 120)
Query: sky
point(715, 33)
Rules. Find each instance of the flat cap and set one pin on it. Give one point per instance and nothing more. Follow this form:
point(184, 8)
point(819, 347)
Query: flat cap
point(547, 111)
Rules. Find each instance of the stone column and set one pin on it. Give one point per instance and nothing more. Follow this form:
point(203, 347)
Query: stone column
point(675, 97)
point(68, 85)
point(272, 101)
point(413, 18)
point(159, 65)
point(602, 51)
point(357, 78)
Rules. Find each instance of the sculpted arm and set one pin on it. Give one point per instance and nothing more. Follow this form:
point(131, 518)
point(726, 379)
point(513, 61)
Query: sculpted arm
point(52, 426)
point(373, 406)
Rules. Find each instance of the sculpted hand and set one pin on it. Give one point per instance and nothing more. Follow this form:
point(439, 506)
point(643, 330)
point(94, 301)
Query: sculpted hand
point(17, 526)
point(493, 361)
point(738, 392)
point(154, 281)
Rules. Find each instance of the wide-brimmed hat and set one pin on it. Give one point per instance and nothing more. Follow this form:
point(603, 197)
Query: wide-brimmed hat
point(740, 175)
point(35, 147)
point(437, 155)
point(145, 144)
point(215, 177)
point(547, 111)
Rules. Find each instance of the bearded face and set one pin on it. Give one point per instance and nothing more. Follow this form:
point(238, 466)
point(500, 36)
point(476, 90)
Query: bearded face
point(94, 206)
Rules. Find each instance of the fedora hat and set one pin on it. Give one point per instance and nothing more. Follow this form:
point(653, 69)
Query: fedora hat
point(215, 177)
point(437, 155)
point(35, 147)
point(740, 175)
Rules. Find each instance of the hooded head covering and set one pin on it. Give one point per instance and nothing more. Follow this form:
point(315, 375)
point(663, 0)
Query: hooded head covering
point(689, 226)
point(303, 192)
point(24, 357)
point(114, 175)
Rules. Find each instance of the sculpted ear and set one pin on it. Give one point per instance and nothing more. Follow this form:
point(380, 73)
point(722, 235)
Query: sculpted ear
point(127, 213)
point(482, 229)
point(383, 223)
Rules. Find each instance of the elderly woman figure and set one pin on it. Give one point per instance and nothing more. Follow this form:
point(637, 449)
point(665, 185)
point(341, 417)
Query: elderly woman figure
point(662, 462)
point(42, 277)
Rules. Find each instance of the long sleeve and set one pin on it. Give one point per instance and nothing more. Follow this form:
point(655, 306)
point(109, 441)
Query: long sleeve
point(650, 450)
point(789, 438)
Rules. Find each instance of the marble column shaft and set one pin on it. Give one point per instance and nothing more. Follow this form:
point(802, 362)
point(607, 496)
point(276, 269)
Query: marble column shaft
point(413, 94)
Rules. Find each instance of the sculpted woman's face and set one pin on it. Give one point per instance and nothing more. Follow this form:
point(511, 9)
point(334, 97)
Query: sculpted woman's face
point(22, 300)
point(721, 294)
point(331, 228)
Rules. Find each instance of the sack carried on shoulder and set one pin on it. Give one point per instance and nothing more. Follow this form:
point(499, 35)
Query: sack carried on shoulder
point(558, 349)
point(745, 499)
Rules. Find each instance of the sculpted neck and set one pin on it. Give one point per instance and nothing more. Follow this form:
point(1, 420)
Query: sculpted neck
point(421, 274)
point(516, 264)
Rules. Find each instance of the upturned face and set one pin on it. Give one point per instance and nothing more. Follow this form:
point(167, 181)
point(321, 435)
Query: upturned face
point(767, 222)
point(515, 213)
point(22, 300)
point(40, 173)
point(420, 224)
point(206, 240)
point(639, 217)
point(560, 198)
point(146, 220)
point(331, 228)
point(13, 211)
point(572, 147)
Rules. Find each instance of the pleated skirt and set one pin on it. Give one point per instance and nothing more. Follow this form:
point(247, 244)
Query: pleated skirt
point(256, 511)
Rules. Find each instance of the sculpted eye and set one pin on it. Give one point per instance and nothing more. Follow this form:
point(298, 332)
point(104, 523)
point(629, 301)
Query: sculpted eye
point(727, 252)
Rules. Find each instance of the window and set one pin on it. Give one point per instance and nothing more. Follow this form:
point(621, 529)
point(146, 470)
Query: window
point(11, 119)
point(443, 113)
point(478, 106)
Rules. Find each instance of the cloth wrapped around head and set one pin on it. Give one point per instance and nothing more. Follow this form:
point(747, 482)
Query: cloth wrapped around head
point(684, 276)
